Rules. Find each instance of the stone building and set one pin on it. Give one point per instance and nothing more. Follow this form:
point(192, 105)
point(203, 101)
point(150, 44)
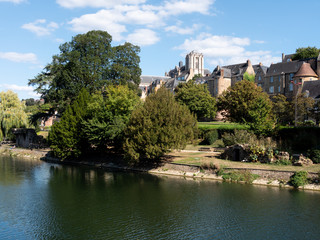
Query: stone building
point(194, 65)
point(288, 77)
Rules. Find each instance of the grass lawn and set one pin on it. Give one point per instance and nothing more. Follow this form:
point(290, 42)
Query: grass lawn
point(198, 158)
point(221, 125)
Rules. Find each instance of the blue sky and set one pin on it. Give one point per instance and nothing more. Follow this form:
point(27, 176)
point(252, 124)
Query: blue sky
point(225, 31)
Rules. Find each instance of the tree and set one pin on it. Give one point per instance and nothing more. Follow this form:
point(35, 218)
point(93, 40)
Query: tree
point(249, 77)
point(197, 98)
point(65, 137)
point(12, 113)
point(108, 116)
point(304, 106)
point(88, 61)
point(308, 52)
point(246, 103)
point(282, 109)
point(158, 126)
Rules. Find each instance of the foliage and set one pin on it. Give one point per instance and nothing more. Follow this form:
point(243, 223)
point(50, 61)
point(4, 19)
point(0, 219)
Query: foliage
point(308, 52)
point(249, 77)
point(299, 178)
point(304, 106)
point(197, 98)
point(280, 108)
point(12, 113)
point(239, 137)
point(65, 137)
point(239, 176)
point(282, 162)
point(314, 155)
point(210, 137)
point(108, 116)
point(247, 103)
point(158, 126)
point(87, 61)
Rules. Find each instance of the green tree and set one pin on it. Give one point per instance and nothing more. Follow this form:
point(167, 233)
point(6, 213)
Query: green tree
point(12, 113)
point(108, 116)
point(66, 136)
point(158, 126)
point(249, 77)
point(197, 98)
point(308, 52)
point(304, 106)
point(88, 61)
point(282, 109)
point(246, 103)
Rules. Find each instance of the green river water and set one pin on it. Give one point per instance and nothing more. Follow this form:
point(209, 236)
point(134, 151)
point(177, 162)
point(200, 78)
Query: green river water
point(47, 201)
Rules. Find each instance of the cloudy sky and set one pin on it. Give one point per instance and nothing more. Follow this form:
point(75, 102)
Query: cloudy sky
point(225, 31)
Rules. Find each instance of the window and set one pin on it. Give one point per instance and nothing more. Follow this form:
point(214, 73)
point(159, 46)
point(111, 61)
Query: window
point(259, 85)
point(259, 78)
point(291, 87)
point(291, 76)
point(182, 78)
point(271, 89)
point(279, 79)
point(279, 89)
point(271, 79)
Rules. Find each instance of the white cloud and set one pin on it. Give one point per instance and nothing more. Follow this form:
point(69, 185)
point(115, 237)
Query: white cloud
point(19, 57)
point(40, 27)
point(26, 91)
point(143, 37)
point(225, 50)
point(13, 1)
point(116, 18)
point(183, 30)
point(96, 3)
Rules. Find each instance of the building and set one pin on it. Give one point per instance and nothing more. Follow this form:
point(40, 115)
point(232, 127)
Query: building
point(151, 83)
point(194, 66)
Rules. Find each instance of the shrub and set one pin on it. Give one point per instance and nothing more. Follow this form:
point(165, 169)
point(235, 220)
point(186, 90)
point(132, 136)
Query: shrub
point(239, 137)
point(243, 176)
point(210, 137)
point(314, 155)
point(283, 162)
point(299, 178)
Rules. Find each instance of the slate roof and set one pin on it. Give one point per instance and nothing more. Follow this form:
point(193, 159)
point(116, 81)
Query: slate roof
point(313, 87)
point(217, 72)
point(149, 79)
point(284, 67)
point(305, 71)
point(237, 69)
point(172, 83)
point(263, 68)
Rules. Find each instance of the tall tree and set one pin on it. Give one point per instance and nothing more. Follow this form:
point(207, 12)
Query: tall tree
point(283, 110)
point(107, 117)
point(197, 98)
point(88, 61)
point(308, 52)
point(246, 103)
point(159, 125)
point(66, 136)
point(12, 113)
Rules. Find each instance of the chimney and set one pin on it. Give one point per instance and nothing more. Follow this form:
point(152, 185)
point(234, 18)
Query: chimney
point(222, 73)
point(248, 62)
point(260, 64)
point(283, 56)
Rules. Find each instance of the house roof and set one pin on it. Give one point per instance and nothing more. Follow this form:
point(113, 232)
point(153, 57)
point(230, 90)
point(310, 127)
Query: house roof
point(313, 87)
point(305, 71)
point(149, 79)
point(284, 67)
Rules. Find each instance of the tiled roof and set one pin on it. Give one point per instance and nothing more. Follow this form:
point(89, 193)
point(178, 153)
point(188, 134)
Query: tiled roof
point(284, 67)
point(313, 87)
point(305, 71)
point(149, 79)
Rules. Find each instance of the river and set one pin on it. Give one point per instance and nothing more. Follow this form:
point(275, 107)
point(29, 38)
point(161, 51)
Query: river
point(47, 201)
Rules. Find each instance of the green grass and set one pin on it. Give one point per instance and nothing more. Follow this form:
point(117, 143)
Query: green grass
point(221, 125)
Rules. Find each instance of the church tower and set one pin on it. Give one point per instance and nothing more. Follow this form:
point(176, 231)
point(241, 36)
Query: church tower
point(195, 62)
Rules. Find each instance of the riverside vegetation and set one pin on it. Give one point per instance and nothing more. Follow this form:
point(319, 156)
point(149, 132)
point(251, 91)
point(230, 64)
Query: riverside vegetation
point(94, 87)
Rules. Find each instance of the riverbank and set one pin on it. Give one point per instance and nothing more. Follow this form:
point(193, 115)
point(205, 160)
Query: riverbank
point(274, 178)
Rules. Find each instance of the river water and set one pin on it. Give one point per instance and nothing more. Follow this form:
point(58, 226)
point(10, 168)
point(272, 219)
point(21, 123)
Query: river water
point(47, 201)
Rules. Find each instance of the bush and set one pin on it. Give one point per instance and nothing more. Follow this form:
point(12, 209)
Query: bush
point(314, 155)
point(243, 176)
point(299, 178)
point(210, 137)
point(283, 162)
point(239, 137)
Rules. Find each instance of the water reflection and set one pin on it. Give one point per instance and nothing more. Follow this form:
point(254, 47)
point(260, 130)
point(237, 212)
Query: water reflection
point(64, 202)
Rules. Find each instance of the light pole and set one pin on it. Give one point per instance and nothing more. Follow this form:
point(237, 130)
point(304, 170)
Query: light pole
point(295, 105)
